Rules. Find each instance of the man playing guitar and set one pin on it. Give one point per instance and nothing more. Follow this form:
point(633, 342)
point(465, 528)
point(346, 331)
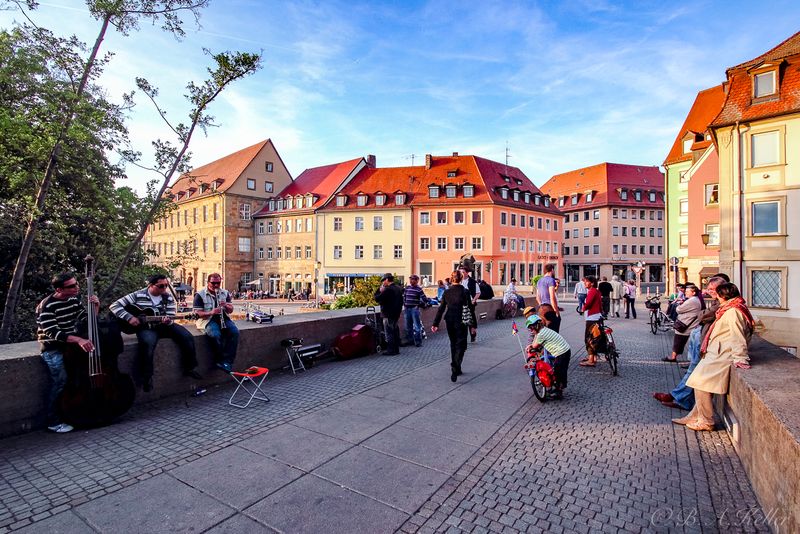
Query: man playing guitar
point(211, 304)
point(155, 300)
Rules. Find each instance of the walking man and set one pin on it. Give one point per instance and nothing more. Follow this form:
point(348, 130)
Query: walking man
point(212, 304)
point(605, 289)
point(413, 300)
point(390, 297)
point(618, 289)
point(580, 294)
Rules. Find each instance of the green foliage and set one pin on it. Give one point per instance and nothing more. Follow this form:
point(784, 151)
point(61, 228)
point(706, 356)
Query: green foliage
point(362, 295)
point(535, 279)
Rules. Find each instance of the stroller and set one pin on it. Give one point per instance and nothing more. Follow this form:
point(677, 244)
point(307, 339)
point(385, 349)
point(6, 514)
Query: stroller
point(378, 333)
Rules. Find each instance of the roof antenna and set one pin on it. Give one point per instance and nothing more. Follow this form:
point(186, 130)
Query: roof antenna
point(411, 157)
point(507, 156)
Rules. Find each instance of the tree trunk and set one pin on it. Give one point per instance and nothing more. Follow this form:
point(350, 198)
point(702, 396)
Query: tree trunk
point(15, 288)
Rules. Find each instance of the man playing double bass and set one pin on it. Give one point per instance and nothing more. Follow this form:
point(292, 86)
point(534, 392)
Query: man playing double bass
point(211, 304)
point(57, 317)
point(157, 300)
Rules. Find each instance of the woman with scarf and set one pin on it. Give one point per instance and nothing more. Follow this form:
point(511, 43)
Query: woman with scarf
point(724, 346)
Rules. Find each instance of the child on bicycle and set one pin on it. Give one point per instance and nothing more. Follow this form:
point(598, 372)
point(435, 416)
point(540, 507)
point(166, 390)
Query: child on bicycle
point(552, 342)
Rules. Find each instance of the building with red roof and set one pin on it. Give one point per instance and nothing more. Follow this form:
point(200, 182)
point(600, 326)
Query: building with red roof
point(422, 219)
point(757, 135)
point(613, 221)
point(692, 191)
point(209, 226)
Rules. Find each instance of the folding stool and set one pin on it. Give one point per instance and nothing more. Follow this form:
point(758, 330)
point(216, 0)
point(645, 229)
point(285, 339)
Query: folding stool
point(248, 376)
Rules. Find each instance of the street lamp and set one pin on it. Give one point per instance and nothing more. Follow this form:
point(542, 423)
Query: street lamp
point(317, 267)
point(706, 238)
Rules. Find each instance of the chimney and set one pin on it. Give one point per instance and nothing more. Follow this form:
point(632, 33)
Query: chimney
point(455, 154)
point(371, 161)
point(428, 161)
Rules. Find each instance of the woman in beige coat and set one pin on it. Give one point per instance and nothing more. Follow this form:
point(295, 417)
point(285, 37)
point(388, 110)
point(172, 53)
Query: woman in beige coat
point(724, 346)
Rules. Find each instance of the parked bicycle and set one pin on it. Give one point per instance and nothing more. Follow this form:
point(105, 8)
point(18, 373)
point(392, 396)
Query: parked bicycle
point(604, 344)
point(659, 321)
point(542, 375)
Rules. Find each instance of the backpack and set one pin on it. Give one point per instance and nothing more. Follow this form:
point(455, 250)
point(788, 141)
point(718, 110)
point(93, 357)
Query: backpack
point(486, 291)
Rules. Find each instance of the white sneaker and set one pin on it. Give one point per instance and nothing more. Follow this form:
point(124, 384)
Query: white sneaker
point(60, 428)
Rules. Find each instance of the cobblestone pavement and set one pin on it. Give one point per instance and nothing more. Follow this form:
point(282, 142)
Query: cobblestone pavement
point(382, 443)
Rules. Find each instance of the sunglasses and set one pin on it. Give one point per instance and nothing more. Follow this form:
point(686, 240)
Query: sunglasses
point(71, 286)
point(215, 283)
point(161, 286)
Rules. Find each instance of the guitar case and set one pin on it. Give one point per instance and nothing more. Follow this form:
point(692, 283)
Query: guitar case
point(357, 342)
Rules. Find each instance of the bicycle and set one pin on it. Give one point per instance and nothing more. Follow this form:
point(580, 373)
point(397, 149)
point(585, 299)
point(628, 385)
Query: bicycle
point(611, 353)
point(658, 319)
point(542, 375)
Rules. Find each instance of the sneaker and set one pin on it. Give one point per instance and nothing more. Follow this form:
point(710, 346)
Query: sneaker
point(60, 428)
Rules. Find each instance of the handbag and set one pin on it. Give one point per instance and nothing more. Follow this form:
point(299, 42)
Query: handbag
point(466, 315)
point(680, 326)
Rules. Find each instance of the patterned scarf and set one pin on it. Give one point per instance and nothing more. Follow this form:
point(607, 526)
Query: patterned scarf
point(734, 303)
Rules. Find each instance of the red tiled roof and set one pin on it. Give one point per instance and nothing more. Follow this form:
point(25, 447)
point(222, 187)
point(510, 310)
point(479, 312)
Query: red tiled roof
point(485, 175)
point(227, 169)
point(739, 105)
point(320, 181)
point(604, 180)
point(706, 106)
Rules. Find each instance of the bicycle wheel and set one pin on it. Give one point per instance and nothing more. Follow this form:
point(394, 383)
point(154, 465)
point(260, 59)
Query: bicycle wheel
point(538, 388)
point(653, 323)
point(613, 359)
point(514, 310)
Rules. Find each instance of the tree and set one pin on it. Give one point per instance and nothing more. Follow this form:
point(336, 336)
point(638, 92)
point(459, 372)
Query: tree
point(363, 294)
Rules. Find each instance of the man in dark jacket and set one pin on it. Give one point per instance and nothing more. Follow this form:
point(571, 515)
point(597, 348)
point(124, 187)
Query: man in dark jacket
point(605, 289)
point(390, 297)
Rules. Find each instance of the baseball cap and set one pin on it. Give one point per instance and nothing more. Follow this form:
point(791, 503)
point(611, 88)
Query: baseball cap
point(388, 276)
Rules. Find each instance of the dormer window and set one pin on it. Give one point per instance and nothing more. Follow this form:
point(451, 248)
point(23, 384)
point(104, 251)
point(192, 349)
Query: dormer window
point(450, 190)
point(516, 196)
point(361, 200)
point(309, 200)
point(202, 188)
point(537, 199)
point(589, 196)
point(289, 203)
point(527, 197)
point(341, 200)
point(764, 84)
point(380, 199)
point(651, 196)
point(189, 192)
point(400, 198)
point(561, 201)
point(506, 178)
point(546, 202)
point(451, 174)
point(279, 205)
point(271, 205)
point(574, 199)
point(469, 191)
point(433, 191)
point(687, 144)
point(637, 195)
point(623, 194)
point(504, 192)
point(518, 181)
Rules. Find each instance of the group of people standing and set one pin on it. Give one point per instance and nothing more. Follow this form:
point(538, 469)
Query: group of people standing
point(150, 312)
point(616, 296)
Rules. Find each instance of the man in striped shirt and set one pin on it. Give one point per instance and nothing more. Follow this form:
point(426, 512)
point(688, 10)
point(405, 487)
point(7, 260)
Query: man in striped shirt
point(413, 299)
point(57, 317)
point(157, 298)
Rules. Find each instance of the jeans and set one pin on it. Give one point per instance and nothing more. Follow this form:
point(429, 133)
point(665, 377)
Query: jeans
point(629, 307)
point(225, 341)
point(413, 325)
point(148, 339)
point(392, 334)
point(54, 358)
point(683, 394)
point(581, 299)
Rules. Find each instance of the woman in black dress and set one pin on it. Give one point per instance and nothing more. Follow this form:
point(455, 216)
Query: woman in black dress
point(452, 308)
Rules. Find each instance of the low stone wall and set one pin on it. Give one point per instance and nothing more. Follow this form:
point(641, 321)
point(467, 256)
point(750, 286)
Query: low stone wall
point(25, 381)
point(765, 429)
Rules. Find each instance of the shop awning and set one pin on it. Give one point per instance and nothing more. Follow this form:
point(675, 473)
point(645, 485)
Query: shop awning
point(708, 271)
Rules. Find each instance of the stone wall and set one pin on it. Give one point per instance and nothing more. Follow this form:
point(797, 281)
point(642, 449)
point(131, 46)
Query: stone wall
point(25, 381)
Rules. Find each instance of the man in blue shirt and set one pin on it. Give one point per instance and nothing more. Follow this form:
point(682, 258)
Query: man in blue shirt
point(547, 288)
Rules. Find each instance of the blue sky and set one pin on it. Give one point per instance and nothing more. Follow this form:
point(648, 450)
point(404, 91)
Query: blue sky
point(563, 84)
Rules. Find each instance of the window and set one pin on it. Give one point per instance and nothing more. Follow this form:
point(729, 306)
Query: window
point(308, 252)
point(244, 244)
point(441, 217)
point(359, 224)
point(641, 214)
point(269, 187)
point(585, 250)
point(615, 213)
point(574, 199)
point(764, 149)
point(433, 191)
point(288, 227)
point(477, 243)
point(278, 253)
point(634, 232)
point(683, 241)
point(595, 249)
point(377, 223)
point(624, 231)
point(337, 252)
point(596, 215)
point(623, 194)
point(298, 225)
point(615, 249)
point(575, 233)
point(244, 212)
point(539, 223)
point(585, 215)
point(341, 200)
point(585, 232)
point(288, 252)
point(596, 231)
point(458, 217)
point(398, 252)
point(309, 224)
point(516, 195)
point(637, 195)
point(424, 243)
point(712, 194)
point(652, 232)
point(574, 218)
point(764, 84)
point(527, 201)
point(260, 228)
point(377, 252)
point(624, 249)
point(361, 200)
point(441, 243)
point(298, 252)
point(469, 191)
point(513, 243)
point(503, 244)
point(652, 250)
point(633, 214)
point(194, 215)
point(398, 222)
point(574, 251)
point(765, 218)
point(522, 219)
point(337, 224)
point(268, 166)
point(547, 224)
point(589, 196)
point(538, 246)
point(561, 201)
point(767, 288)
point(555, 247)
point(503, 218)
point(269, 253)
point(450, 191)
point(214, 242)
point(359, 252)
point(513, 219)
point(400, 199)
point(289, 202)
point(624, 214)
point(424, 217)
point(522, 246)
point(504, 193)
point(615, 230)
point(261, 253)
point(251, 184)
point(380, 200)
point(660, 250)
point(659, 232)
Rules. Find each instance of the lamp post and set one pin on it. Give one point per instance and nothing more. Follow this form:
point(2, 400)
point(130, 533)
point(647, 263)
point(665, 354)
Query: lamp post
point(706, 238)
point(317, 267)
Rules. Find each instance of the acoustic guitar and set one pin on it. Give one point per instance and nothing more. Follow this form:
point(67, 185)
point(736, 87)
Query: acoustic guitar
point(148, 317)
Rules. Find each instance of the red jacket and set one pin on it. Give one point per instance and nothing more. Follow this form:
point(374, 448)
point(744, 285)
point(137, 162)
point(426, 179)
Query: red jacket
point(594, 302)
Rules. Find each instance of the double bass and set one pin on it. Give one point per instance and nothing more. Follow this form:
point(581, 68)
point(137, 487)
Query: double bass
point(96, 392)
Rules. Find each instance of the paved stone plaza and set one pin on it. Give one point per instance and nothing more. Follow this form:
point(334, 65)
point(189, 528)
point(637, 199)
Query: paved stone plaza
point(388, 443)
